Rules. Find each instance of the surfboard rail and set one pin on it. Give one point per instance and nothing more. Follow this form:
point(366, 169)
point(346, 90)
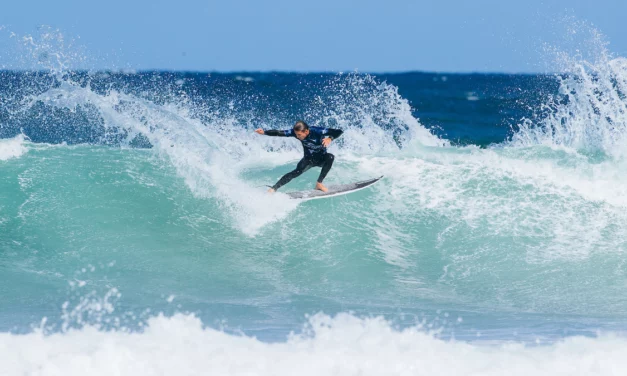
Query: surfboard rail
point(333, 190)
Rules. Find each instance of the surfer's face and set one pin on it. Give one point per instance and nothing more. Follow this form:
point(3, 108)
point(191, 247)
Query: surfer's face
point(302, 134)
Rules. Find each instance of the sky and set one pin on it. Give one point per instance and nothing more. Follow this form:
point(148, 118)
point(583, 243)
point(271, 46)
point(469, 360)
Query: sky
point(314, 35)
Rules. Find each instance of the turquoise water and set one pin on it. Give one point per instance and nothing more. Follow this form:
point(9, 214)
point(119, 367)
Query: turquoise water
point(464, 230)
point(136, 236)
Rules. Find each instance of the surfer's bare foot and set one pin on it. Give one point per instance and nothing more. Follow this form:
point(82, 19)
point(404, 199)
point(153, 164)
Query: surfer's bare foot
point(321, 187)
point(270, 190)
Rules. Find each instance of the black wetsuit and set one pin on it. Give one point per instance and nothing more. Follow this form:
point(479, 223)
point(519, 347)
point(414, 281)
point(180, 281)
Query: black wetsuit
point(315, 153)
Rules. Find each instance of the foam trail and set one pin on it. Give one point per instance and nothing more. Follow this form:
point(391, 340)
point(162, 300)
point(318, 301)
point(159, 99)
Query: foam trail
point(342, 345)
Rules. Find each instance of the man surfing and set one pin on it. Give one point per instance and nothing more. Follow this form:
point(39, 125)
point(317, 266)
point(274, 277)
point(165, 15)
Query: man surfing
point(315, 141)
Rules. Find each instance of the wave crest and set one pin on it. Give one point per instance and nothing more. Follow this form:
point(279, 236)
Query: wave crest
point(340, 345)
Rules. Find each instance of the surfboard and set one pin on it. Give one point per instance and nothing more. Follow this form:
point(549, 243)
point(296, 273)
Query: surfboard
point(333, 190)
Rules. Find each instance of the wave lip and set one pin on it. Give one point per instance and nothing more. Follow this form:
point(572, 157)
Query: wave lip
point(341, 345)
point(589, 112)
point(12, 148)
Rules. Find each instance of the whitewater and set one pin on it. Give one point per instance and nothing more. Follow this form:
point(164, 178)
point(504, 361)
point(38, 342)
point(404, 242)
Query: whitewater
point(136, 236)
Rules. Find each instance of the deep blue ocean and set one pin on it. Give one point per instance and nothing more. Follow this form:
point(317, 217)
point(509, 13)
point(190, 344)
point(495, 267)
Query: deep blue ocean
point(137, 237)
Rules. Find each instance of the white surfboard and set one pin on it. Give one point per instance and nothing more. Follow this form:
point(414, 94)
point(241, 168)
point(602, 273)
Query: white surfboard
point(333, 190)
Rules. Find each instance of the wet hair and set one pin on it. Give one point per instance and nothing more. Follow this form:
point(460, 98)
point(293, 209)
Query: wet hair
point(300, 126)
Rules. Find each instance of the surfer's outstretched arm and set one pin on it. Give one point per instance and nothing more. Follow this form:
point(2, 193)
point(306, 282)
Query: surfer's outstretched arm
point(275, 132)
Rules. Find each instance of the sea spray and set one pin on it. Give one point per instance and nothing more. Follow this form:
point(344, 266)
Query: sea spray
point(589, 112)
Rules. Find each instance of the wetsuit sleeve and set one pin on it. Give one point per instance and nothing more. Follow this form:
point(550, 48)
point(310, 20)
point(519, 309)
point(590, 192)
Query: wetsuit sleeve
point(278, 133)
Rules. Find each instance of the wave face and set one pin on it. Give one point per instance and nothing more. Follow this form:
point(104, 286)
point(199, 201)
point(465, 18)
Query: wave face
point(133, 209)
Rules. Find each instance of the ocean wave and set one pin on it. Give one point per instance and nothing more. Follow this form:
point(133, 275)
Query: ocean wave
point(485, 228)
point(534, 226)
point(340, 345)
point(212, 152)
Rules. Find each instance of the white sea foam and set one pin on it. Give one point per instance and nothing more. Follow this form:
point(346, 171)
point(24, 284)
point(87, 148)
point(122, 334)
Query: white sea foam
point(12, 147)
point(343, 345)
point(504, 189)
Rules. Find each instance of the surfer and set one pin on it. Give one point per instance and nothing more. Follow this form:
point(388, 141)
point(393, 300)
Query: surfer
point(315, 141)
